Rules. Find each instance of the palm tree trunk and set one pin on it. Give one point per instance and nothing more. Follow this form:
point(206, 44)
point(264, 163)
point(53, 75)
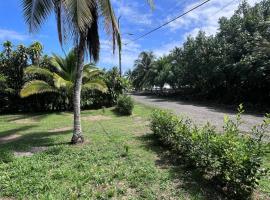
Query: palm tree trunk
point(77, 131)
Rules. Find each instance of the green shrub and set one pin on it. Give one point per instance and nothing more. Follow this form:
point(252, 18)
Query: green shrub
point(125, 105)
point(232, 159)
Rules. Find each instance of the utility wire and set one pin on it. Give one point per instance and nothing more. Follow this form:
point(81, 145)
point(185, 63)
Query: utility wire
point(170, 21)
point(225, 6)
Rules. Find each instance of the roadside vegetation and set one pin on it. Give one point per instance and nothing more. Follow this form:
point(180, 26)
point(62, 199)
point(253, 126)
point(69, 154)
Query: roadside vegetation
point(231, 160)
point(120, 159)
point(231, 67)
point(127, 150)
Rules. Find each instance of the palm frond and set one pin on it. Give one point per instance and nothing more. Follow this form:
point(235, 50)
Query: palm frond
point(110, 22)
point(79, 13)
point(89, 73)
point(58, 15)
point(34, 70)
point(36, 12)
point(36, 87)
point(59, 82)
point(92, 40)
point(96, 84)
point(151, 3)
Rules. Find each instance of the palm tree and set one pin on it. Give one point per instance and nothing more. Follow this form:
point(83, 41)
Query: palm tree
point(8, 48)
point(35, 51)
point(143, 69)
point(77, 19)
point(60, 78)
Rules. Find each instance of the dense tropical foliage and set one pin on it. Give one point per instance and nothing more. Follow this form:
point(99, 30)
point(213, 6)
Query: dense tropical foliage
point(31, 81)
point(231, 67)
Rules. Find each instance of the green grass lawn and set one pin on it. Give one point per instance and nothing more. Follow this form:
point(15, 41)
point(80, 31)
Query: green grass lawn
point(120, 160)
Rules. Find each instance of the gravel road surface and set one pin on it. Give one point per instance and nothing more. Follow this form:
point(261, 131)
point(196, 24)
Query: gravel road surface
point(199, 113)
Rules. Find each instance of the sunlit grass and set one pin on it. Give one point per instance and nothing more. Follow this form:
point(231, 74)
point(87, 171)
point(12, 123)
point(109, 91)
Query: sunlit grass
point(119, 160)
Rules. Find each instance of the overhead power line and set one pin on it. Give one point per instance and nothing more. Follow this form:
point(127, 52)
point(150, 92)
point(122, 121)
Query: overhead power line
point(168, 22)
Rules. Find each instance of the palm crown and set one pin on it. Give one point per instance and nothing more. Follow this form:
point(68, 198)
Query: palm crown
point(61, 76)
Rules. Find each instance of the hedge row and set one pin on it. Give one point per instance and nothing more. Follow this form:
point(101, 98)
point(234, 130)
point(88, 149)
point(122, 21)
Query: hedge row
point(229, 158)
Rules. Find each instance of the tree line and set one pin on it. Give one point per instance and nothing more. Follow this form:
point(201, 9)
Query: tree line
point(232, 66)
point(31, 81)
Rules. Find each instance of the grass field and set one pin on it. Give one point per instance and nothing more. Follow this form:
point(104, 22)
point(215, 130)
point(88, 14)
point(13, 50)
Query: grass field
point(119, 160)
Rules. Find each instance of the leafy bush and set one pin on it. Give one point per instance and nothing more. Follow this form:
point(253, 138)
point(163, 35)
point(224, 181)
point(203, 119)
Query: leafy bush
point(231, 159)
point(125, 105)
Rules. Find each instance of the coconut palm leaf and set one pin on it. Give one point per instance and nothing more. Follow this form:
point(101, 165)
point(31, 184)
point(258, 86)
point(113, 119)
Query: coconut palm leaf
point(60, 82)
point(36, 12)
point(34, 70)
point(111, 25)
point(95, 84)
point(36, 87)
point(89, 73)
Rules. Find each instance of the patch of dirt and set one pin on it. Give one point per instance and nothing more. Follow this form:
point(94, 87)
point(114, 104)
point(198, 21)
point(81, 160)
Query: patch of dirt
point(96, 118)
point(26, 121)
point(139, 132)
point(23, 154)
point(38, 149)
point(69, 128)
point(30, 153)
point(9, 138)
point(140, 120)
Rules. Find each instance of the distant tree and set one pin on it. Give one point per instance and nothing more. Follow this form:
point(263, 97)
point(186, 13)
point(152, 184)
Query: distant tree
point(143, 68)
point(231, 67)
point(35, 51)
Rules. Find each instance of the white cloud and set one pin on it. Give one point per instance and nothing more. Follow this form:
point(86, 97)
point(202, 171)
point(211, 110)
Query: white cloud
point(166, 48)
point(129, 53)
point(12, 35)
point(205, 17)
point(132, 13)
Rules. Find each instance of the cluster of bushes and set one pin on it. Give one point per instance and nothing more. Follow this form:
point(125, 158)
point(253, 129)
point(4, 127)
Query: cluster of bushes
point(124, 105)
point(230, 67)
point(233, 161)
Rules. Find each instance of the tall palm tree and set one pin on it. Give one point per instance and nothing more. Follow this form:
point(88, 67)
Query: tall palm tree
point(77, 19)
point(61, 77)
point(8, 48)
point(143, 68)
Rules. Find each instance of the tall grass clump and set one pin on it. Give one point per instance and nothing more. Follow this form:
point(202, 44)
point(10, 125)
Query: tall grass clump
point(231, 159)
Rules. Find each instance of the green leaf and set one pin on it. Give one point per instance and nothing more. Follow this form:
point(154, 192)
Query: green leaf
point(36, 87)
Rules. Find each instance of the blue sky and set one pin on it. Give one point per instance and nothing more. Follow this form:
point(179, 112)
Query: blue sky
point(136, 18)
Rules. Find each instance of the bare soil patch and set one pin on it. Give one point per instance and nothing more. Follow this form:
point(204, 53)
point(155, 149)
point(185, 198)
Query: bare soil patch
point(22, 154)
point(26, 121)
point(9, 138)
point(32, 151)
point(96, 118)
point(69, 128)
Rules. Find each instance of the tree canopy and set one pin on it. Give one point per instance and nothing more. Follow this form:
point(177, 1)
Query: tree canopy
point(232, 66)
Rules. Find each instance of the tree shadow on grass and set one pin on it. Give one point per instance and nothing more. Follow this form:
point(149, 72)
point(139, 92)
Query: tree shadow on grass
point(189, 179)
point(16, 130)
point(30, 140)
point(36, 117)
